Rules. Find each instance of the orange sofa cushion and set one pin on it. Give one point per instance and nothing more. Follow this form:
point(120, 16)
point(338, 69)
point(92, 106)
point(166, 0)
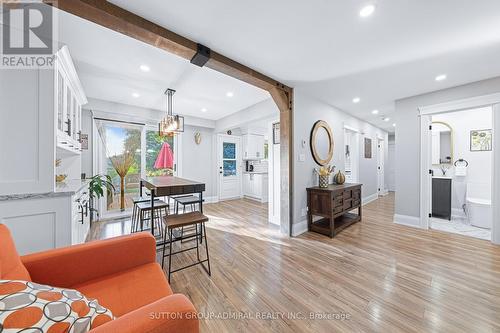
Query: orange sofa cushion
point(11, 267)
point(129, 290)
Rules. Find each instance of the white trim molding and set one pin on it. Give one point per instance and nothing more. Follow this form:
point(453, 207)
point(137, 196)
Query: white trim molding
point(368, 199)
point(299, 228)
point(411, 221)
point(350, 128)
point(461, 104)
point(495, 195)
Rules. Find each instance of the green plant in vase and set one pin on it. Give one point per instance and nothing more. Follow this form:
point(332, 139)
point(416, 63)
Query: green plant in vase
point(97, 185)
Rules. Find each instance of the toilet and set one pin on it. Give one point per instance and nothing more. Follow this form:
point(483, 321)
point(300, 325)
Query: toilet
point(479, 205)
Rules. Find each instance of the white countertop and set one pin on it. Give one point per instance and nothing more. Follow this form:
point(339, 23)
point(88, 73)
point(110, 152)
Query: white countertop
point(71, 186)
point(256, 172)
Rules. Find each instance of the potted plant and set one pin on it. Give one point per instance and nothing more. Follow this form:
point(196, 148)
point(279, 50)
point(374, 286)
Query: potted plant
point(97, 185)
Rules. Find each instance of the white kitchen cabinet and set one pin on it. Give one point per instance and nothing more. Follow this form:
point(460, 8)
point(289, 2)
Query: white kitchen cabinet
point(253, 147)
point(47, 221)
point(255, 186)
point(69, 98)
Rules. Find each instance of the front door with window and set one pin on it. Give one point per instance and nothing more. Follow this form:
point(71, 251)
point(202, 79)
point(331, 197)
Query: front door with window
point(229, 166)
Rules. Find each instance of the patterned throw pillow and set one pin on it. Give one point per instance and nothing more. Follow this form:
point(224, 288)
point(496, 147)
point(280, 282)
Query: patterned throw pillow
point(40, 308)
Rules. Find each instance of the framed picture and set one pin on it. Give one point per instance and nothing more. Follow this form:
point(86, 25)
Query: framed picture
point(276, 133)
point(84, 141)
point(481, 140)
point(368, 148)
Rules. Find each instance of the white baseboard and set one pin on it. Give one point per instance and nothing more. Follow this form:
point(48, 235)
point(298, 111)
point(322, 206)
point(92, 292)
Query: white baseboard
point(299, 228)
point(457, 212)
point(368, 199)
point(407, 220)
point(212, 199)
point(384, 192)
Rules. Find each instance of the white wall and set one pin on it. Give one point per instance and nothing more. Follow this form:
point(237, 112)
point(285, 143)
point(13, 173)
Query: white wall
point(308, 110)
point(408, 136)
point(480, 163)
point(199, 162)
point(256, 112)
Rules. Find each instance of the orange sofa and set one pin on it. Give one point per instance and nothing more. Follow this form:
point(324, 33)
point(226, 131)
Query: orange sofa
point(121, 273)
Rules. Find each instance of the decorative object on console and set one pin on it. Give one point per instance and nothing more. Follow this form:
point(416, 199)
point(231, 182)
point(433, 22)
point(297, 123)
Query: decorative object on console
point(197, 138)
point(44, 308)
point(481, 140)
point(324, 175)
point(322, 143)
point(339, 178)
point(368, 148)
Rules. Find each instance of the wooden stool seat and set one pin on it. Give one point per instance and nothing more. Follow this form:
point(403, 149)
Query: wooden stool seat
point(188, 200)
point(147, 205)
point(184, 220)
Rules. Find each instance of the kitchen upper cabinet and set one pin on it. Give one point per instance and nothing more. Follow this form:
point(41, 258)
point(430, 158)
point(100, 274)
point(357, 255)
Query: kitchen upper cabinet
point(70, 98)
point(253, 147)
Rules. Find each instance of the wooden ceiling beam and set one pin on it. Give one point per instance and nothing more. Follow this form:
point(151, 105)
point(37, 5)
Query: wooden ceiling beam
point(118, 19)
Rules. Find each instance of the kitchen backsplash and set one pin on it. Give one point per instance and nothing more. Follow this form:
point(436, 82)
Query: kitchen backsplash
point(259, 166)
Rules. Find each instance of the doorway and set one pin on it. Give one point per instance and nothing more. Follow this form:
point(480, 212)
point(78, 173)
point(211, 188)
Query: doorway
point(351, 153)
point(380, 168)
point(426, 179)
point(229, 166)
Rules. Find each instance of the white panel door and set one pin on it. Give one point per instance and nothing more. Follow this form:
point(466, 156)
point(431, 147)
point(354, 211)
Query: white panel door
point(229, 164)
point(381, 167)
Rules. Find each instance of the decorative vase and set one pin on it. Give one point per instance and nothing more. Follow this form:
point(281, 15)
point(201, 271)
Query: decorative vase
point(339, 178)
point(323, 181)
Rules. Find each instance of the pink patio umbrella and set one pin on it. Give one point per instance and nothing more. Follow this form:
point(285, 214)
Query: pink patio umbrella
point(165, 157)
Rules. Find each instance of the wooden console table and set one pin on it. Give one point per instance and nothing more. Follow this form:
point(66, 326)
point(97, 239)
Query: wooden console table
point(330, 208)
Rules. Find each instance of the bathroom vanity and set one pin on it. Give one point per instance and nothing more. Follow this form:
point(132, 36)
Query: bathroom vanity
point(441, 197)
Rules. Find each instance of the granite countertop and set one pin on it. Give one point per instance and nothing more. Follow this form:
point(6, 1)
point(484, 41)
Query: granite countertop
point(67, 188)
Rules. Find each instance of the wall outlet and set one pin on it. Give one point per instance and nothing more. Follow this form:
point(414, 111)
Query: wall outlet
point(302, 157)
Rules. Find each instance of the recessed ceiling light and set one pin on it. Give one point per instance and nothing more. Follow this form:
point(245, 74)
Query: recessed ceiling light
point(387, 119)
point(229, 94)
point(375, 112)
point(356, 100)
point(441, 77)
point(204, 110)
point(145, 68)
point(136, 95)
point(367, 10)
point(394, 125)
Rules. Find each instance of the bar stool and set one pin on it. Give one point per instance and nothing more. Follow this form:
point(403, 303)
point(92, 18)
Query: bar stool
point(187, 200)
point(144, 214)
point(135, 209)
point(179, 221)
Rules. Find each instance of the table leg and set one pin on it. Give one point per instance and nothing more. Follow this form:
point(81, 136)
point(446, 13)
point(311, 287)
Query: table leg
point(152, 211)
point(140, 188)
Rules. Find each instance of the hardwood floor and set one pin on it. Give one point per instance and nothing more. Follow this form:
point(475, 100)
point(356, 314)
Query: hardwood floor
point(384, 277)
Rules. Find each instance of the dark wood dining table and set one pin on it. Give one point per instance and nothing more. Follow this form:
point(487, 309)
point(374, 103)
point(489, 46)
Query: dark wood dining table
point(165, 186)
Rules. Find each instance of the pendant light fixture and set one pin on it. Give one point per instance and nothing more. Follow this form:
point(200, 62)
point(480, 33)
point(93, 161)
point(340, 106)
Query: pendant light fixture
point(171, 123)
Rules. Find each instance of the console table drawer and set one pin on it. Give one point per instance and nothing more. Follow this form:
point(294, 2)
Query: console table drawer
point(347, 194)
point(338, 201)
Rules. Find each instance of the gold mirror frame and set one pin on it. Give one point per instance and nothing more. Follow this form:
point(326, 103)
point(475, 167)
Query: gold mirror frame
point(452, 140)
point(314, 132)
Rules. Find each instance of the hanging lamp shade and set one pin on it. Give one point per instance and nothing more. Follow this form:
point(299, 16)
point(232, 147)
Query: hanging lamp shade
point(171, 123)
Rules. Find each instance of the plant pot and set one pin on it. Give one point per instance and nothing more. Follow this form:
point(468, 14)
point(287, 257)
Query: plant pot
point(323, 181)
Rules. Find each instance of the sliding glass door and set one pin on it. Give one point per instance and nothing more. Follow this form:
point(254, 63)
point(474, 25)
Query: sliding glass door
point(128, 151)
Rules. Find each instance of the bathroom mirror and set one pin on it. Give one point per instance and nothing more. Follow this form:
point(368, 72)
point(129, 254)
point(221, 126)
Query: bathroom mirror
point(442, 143)
point(321, 142)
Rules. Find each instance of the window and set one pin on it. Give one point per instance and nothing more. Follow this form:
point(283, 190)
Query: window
point(229, 159)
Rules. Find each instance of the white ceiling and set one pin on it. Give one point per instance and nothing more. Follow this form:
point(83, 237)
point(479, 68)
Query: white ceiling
point(326, 48)
point(108, 64)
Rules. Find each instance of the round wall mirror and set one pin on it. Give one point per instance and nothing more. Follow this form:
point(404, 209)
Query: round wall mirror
point(321, 143)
